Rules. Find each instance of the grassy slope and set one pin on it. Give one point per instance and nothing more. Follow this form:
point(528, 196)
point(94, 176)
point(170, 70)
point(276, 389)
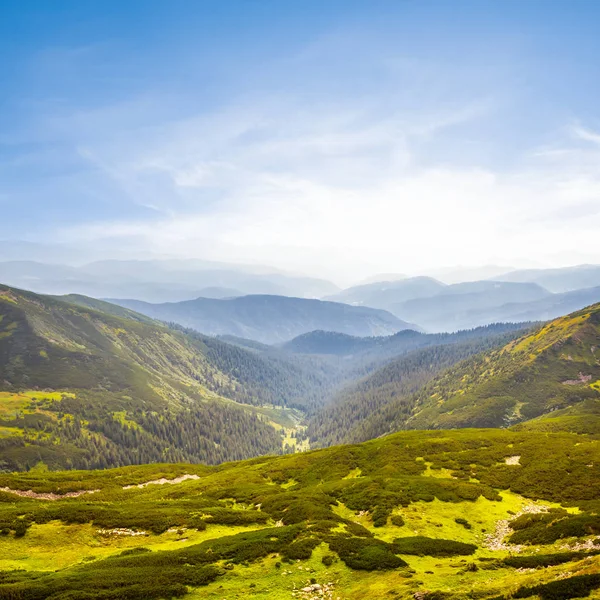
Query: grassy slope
point(100, 366)
point(49, 343)
point(551, 373)
point(583, 417)
point(104, 307)
point(238, 522)
point(550, 369)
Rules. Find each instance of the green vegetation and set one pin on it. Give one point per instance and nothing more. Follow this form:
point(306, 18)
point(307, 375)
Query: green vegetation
point(424, 546)
point(363, 411)
point(463, 522)
point(366, 554)
point(547, 528)
point(572, 587)
point(546, 560)
point(510, 511)
point(385, 517)
point(543, 381)
point(90, 385)
point(87, 384)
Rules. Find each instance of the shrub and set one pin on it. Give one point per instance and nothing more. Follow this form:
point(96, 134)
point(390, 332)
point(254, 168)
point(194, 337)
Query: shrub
point(21, 527)
point(549, 527)
point(366, 554)
point(225, 516)
point(323, 526)
point(328, 560)
point(134, 551)
point(301, 549)
point(397, 520)
point(578, 586)
point(463, 522)
point(545, 560)
point(357, 529)
point(424, 546)
point(380, 516)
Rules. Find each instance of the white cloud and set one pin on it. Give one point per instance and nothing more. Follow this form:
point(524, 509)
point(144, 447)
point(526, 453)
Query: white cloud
point(346, 193)
point(586, 134)
point(344, 186)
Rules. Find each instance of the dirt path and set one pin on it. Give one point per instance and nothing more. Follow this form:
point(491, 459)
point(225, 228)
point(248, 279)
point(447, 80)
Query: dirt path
point(53, 496)
point(46, 495)
point(162, 481)
point(495, 541)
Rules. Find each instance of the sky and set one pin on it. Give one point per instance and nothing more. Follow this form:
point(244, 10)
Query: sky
point(334, 138)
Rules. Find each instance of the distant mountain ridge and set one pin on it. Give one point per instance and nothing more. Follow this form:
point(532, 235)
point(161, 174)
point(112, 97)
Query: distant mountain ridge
point(338, 344)
point(566, 279)
point(520, 296)
point(270, 319)
point(466, 305)
point(544, 309)
point(386, 294)
point(159, 280)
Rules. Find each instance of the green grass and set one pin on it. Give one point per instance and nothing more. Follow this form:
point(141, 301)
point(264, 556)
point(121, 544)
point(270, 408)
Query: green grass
point(313, 505)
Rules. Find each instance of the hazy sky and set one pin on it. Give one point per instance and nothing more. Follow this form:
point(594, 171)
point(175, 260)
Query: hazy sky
point(338, 138)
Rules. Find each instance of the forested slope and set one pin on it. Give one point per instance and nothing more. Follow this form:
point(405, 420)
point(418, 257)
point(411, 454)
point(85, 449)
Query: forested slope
point(355, 412)
point(118, 389)
point(549, 375)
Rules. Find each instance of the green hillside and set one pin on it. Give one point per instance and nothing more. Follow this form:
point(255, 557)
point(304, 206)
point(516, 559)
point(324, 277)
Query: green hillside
point(354, 413)
point(551, 369)
point(417, 515)
point(494, 513)
point(82, 387)
point(547, 380)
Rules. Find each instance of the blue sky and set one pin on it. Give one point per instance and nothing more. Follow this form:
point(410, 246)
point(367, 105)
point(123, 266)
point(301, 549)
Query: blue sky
point(337, 138)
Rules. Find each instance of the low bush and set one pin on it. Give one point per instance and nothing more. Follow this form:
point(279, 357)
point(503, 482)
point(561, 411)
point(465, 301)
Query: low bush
point(357, 529)
point(397, 520)
point(545, 560)
point(551, 527)
point(301, 549)
point(424, 546)
point(366, 554)
point(225, 516)
point(578, 586)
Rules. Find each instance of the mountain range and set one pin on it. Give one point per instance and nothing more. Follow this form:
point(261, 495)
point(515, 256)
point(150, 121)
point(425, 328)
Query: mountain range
point(270, 319)
point(421, 302)
point(501, 500)
point(436, 306)
point(86, 383)
point(114, 385)
point(159, 280)
point(566, 279)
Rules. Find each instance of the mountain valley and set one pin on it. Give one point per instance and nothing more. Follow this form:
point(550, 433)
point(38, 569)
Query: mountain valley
point(300, 300)
point(110, 422)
